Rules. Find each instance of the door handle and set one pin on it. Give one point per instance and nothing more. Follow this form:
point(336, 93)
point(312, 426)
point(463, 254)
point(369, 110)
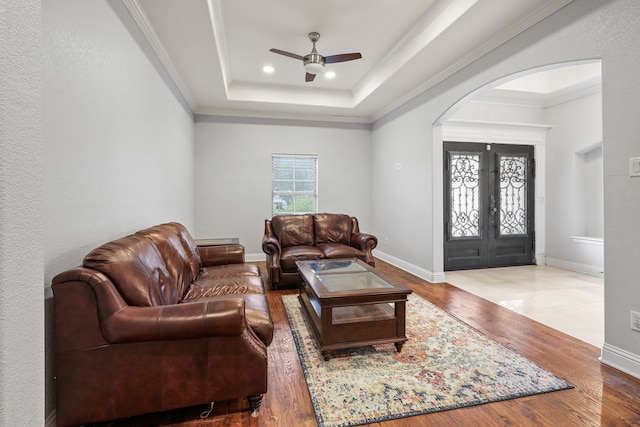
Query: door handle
point(492, 210)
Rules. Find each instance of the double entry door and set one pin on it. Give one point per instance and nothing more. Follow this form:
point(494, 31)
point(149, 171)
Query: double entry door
point(489, 205)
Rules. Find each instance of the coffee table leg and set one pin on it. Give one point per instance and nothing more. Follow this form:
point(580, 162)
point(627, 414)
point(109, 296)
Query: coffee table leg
point(327, 355)
point(399, 346)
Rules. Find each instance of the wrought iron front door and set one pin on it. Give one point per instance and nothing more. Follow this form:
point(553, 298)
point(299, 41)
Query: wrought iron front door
point(489, 205)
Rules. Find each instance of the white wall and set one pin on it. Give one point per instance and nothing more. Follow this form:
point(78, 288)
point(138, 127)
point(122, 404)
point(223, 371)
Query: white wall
point(618, 38)
point(119, 146)
point(499, 113)
point(574, 182)
point(583, 30)
point(118, 143)
point(21, 213)
point(402, 199)
point(233, 179)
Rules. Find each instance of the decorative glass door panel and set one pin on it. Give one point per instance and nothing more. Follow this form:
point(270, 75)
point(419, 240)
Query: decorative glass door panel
point(465, 197)
point(513, 194)
point(488, 205)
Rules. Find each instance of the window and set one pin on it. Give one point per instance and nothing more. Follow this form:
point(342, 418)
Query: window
point(294, 184)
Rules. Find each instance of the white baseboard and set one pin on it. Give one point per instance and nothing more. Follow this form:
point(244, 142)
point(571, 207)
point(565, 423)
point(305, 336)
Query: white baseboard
point(259, 257)
point(592, 270)
point(620, 359)
point(411, 268)
point(422, 273)
point(438, 277)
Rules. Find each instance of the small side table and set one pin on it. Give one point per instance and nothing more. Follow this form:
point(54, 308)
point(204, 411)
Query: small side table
point(217, 241)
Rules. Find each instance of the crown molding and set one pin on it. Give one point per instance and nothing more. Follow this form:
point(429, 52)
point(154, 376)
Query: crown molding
point(220, 36)
point(215, 9)
point(331, 118)
point(501, 38)
point(435, 22)
point(149, 33)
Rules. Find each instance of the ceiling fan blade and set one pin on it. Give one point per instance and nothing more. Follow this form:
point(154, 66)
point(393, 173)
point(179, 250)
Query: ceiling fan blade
point(309, 77)
point(342, 58)
point(285, 53)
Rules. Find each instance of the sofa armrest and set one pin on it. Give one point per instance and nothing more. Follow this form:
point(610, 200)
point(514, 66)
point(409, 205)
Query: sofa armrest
point(221, 254)
point(271, 245)
point(363, 241)
point(202, 319)
point(366, 243)
point(90, 312)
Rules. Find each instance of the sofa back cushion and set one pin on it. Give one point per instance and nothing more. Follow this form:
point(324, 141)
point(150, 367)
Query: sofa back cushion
point(332, 228)
point(174, 255)
point(189, 246)
point(293, 230)
point(136, 268)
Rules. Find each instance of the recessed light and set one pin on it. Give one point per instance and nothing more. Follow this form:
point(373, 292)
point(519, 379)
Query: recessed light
point(330, 74)
point(268, 69)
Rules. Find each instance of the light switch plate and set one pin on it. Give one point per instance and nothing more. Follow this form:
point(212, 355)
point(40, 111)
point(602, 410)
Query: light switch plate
point(634, 167)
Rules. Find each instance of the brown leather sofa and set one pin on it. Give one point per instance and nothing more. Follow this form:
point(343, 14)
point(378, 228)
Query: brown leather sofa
point(151, 322)
point(291, 238)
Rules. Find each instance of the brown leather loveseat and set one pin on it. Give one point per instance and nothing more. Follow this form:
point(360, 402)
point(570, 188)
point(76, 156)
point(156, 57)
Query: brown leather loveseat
point(151, 322)
point(291, 238)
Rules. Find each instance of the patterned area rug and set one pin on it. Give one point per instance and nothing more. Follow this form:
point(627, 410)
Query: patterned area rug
point(446, 364)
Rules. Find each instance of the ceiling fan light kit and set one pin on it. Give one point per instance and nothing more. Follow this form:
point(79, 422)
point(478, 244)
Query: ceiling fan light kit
point(314, 62)
point(313, 67)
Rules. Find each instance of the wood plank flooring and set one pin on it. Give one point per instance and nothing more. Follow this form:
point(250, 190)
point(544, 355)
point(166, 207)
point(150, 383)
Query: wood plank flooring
point(602, 395)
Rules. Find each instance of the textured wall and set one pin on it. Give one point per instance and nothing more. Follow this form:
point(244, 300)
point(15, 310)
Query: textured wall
point(118, 142)
point(618, 32)
point(21, 213)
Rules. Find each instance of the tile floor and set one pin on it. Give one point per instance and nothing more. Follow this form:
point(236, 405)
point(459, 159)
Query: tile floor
point(564, 300)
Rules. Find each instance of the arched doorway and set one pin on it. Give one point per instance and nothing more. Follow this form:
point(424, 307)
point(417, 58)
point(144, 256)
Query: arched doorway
point(518, 109)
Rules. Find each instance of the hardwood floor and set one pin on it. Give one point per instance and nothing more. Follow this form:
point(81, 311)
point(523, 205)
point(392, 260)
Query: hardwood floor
point(602, 395)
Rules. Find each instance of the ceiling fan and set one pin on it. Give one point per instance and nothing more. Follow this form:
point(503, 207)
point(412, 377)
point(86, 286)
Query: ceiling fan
point(314, 62)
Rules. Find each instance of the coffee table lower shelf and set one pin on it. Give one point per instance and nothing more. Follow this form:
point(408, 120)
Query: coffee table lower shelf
point(351, 326)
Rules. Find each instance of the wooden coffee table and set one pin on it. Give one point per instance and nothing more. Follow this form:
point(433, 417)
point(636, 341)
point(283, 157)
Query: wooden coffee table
point(348, 304)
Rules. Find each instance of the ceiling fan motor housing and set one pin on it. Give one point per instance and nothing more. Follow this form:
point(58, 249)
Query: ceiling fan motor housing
point(313, 62)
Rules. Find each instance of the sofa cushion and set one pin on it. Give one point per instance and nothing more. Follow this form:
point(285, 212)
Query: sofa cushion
point(293, 230)
point(290, 255)
point(136, 268)
point(228, 270)
point(339, 250)
point(205, 288)
point(332, 228)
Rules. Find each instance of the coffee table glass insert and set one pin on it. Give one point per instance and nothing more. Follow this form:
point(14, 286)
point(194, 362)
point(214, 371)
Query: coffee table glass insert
point(344, 282)
point(348, 304)
point(338, 266)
